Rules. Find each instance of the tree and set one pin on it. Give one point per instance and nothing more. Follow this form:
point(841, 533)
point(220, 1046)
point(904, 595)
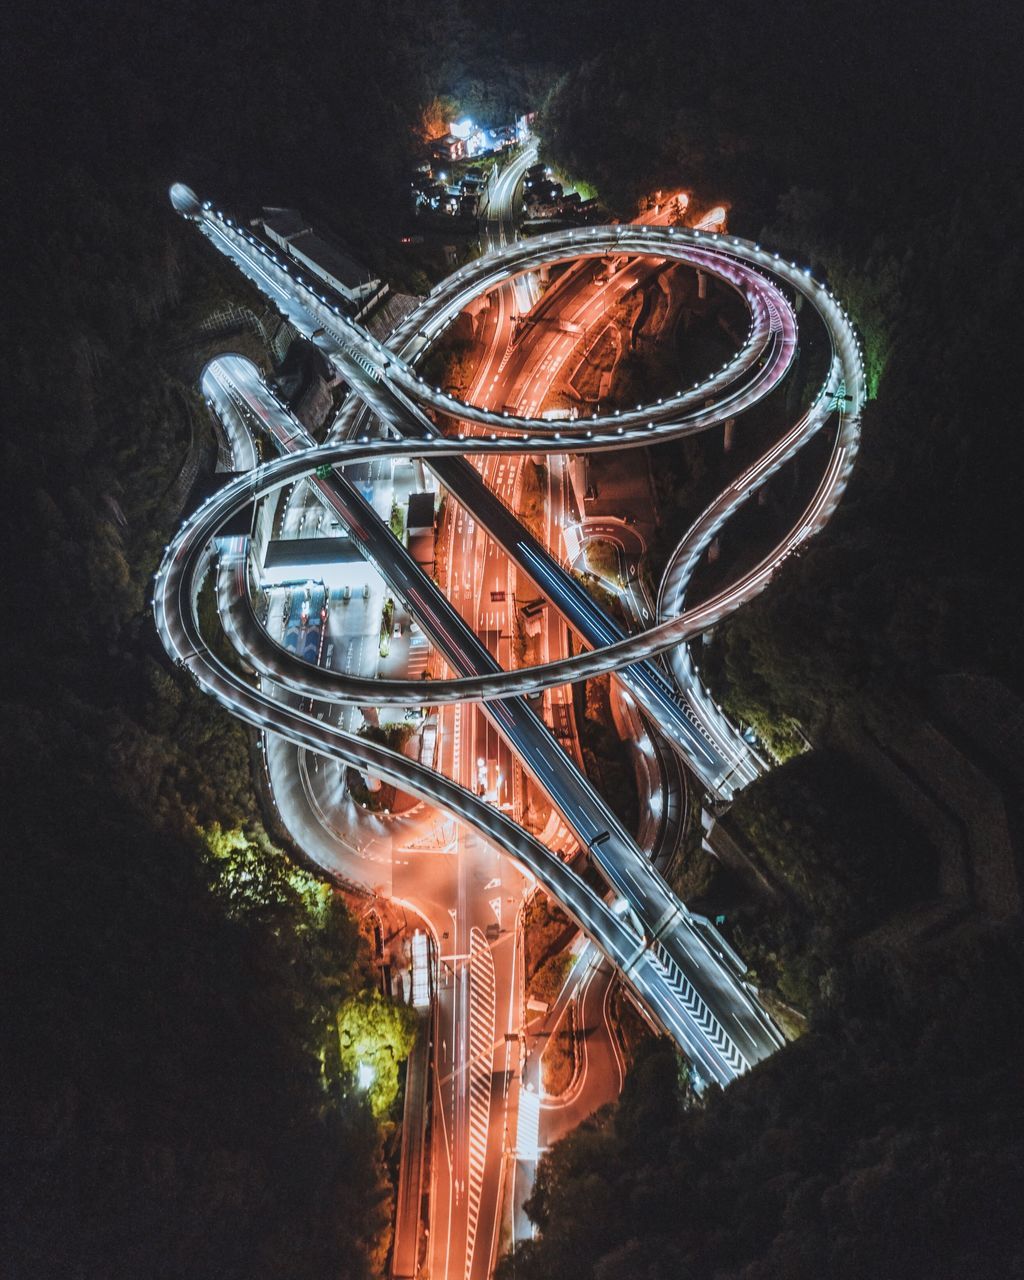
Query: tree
point(375, 1036)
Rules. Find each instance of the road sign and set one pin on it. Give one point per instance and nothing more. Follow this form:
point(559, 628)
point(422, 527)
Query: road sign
point(323, 472)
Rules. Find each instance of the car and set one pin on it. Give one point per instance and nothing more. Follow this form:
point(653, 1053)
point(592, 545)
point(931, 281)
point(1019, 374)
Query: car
point(366, 591)
point(346, 593)
point(397, 630)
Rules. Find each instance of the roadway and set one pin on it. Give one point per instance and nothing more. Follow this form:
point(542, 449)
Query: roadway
point(244, 396)
point(723, 1002)
point(240, 382)
point(721, 1024)
point(716, 753)
point(684, 978)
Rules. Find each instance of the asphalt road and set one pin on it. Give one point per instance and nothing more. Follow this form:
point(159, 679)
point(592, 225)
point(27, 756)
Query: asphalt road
point(705, 990)
point(673, 962)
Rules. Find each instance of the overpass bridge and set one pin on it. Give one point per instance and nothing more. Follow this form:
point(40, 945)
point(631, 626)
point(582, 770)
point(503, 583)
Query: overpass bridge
point(683, 974)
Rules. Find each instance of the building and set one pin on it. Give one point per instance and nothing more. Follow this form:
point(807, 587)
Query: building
point(545, 192)
point(283, 225)
point(449, 148)
point(420, 526)
point(350, 279)
point(345, 275)
point(465, 139)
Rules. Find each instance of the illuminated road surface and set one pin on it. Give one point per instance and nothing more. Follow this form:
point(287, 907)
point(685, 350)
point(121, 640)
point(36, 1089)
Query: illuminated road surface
point(691, 986)
point(689, 983)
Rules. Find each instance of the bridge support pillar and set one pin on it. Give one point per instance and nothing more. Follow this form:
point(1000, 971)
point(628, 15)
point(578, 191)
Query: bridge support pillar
point(545, 273)
point(727, 437)
point(670, 918)
point(702, 285)
point(631, 963)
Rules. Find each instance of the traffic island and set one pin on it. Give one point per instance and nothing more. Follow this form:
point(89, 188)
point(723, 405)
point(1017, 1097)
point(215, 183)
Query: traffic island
point(560, 1058)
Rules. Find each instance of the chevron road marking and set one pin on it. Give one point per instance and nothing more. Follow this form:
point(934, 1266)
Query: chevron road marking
point(481, 1049)
point(696, 1008)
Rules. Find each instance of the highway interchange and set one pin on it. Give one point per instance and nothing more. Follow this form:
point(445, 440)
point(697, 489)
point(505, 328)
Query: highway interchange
point(685, 977)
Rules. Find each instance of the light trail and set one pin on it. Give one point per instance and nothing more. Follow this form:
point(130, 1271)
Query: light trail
point(670, 966)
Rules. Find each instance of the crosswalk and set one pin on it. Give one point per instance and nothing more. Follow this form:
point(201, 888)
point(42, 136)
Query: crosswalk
point(528, 1125)
point(481, 1049)
point(696, 1007)
point(419, 655)
point(457, 744)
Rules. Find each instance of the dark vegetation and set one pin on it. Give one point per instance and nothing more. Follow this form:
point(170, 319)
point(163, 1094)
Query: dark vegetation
point(449, 362)
point(606, 756)
point(174, 1100)
point(840, 857)
point(902, 203)
point(558, 1058)
point(549, 979)
point(546, 931)
point(887, 162)
point(383, 799)
point(882, 1144)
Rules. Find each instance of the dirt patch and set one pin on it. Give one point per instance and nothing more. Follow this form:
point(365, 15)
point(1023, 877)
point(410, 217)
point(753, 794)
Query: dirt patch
point(546, 930)
point(533, 497)
point(558, 1060)
point(603, 559)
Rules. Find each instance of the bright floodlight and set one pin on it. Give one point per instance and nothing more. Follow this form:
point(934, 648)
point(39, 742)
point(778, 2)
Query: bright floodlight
point(185, 200)
point(365, 1076)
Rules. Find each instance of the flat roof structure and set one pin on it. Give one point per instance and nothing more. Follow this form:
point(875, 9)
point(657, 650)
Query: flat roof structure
point(284, 224)
point(338, 264)
point(421, 511)
point(304, 552)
